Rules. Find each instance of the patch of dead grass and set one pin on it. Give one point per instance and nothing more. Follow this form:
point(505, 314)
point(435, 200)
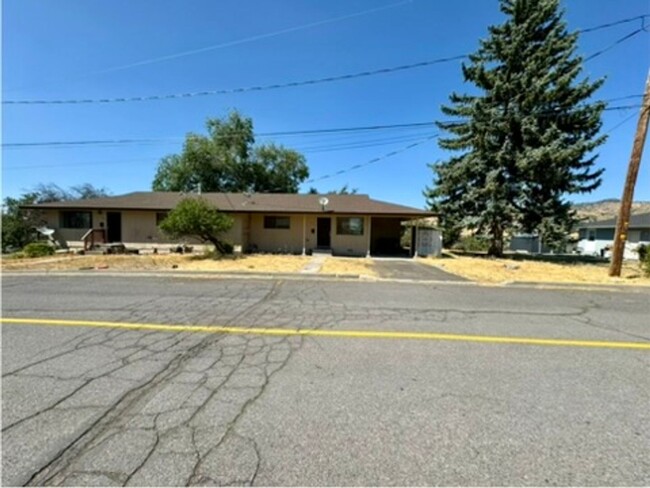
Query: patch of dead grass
point(489, 270)
point(351, 266)
point(260, 263)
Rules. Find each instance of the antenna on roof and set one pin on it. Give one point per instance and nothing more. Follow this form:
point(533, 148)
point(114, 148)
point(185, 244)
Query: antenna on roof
point(323, 202)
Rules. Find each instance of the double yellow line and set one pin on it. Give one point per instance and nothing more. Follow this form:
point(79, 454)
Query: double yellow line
point(349, 334)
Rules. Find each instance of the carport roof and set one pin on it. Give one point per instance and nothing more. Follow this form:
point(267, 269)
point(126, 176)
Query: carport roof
point(242, 203)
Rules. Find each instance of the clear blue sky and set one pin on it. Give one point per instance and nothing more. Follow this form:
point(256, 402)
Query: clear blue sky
point(70, 49)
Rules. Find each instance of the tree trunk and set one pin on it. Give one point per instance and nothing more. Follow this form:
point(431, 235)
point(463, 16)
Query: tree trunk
point(496, 244)
point(218, 245)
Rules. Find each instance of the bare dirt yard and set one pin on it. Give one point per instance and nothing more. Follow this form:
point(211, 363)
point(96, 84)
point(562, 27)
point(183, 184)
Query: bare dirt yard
point(261, 263)
point(489, 270)
point(354, 266)
point(253, 263)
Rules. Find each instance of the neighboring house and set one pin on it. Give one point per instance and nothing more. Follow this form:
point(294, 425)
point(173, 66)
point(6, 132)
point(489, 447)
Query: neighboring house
point(596, 238)
point(352, 225)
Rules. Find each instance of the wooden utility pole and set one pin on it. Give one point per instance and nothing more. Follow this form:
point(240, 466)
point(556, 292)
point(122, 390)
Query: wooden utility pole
point(628, 192)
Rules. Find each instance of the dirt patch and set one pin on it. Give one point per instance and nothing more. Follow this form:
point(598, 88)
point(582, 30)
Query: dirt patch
point(488, 270)
point(351, 266)
point(260, 263)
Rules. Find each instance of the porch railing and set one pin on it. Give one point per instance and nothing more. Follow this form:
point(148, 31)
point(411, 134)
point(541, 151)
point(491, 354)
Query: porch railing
point(92, 237)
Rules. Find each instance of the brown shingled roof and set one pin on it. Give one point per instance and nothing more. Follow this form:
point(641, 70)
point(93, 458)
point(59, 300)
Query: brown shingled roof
point(241, 202)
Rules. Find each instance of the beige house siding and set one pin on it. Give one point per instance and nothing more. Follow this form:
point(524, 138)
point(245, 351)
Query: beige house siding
point(350, 245)
point(139, 230)
point(276, 240)
point(69, 237)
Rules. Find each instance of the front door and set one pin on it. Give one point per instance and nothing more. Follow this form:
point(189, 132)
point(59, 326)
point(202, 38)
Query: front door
point(114, 226)
point(323, 229)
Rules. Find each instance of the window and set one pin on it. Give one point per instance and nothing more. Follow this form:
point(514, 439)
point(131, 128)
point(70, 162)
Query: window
point(605, 234)
point(276, 222)
point(160, 216)
point(349, 226)
point(76, 220)
point(645, 236)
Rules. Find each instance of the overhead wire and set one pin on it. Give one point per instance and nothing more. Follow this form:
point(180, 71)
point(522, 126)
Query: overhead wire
point(373, 160)
point(622, 122)
point(227, 91)
point(300, 83)
point(641, 17)
point(614, 44)
point(414, 125)
point(231, 43)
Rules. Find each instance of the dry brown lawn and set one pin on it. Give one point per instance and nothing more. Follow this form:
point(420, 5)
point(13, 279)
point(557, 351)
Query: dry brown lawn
point(486, 270)
point(352, 266)
point(263, 263)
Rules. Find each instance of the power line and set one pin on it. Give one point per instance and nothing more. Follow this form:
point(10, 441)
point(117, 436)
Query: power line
point(235, 42)
point(372, 161)
point(614, 44)
point(627, 97)
point(337, 146)
point(413, 125)
point(641, 17)
point(276, 86)
point(259, 134)
point(295, 84)
point(622, 122)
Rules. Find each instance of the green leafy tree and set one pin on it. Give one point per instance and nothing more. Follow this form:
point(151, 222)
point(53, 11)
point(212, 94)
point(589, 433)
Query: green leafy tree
point(19, 224)
point(227, 160)
point(51, 192)
point(199, 219)
point(526, 140)
point(344, 190)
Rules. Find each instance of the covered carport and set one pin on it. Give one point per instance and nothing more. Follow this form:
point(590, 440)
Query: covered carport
point(386, 236)
point(392, 236)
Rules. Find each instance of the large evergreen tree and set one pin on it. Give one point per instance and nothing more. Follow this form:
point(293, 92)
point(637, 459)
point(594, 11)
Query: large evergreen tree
point(228, 160)
point(525, 139)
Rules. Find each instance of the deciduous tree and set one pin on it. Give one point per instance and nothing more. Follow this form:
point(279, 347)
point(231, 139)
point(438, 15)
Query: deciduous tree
point(197, 218)
point(227, 160)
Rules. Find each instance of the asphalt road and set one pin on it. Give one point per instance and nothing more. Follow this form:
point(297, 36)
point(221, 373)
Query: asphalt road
point(114, 406)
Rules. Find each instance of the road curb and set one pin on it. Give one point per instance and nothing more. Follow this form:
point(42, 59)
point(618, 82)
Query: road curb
point(331, 277)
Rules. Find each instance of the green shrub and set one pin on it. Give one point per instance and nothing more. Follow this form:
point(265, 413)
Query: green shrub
point(645, 264)
point(643, 252)
point(38, 249)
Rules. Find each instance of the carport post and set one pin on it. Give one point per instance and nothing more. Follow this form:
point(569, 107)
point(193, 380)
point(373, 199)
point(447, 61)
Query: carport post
point(304, 235)
point(369, 232)
point(415, 254)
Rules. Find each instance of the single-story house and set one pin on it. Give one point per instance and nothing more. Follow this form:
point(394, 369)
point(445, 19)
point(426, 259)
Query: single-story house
point(354, 225)
point(596, 238)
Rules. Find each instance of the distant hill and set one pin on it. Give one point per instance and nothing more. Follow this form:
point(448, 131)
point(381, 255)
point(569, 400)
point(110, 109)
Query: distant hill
point(606, 209)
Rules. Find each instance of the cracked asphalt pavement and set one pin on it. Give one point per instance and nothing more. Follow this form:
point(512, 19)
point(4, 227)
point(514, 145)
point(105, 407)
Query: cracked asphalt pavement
point(90, 406)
